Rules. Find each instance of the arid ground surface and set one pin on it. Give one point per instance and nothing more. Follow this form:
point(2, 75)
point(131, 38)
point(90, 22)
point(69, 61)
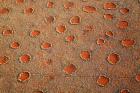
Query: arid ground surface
point(69, 46)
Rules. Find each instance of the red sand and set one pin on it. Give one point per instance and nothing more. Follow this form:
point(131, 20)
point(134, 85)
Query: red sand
point(69, 46)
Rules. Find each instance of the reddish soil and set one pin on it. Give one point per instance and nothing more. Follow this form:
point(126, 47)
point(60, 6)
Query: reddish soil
point(69, 46)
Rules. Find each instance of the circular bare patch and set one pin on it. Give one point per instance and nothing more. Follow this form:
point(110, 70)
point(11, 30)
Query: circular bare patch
point(75, 20)
point(68, 5)
point(46, 45)
point(7, 32)
point(124, 91)
point(14, 45)
point(23, 76)
point(61, 28)
point(122, 24)
point(89, 9)
point(102, 81)
point(100, 41)
point(69, 38)
point(124, 10)
point(25, 58)
point(113, 58)
point(35, 33)
point(85, 55)
point(109, 5)
point(70, 69)
point(108, 16)
point(28, 10)
point(3, 59)
point(4, 11)
point(127, 42)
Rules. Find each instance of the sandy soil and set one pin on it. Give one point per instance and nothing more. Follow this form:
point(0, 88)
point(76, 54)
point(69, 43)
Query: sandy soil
point(69, 46)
